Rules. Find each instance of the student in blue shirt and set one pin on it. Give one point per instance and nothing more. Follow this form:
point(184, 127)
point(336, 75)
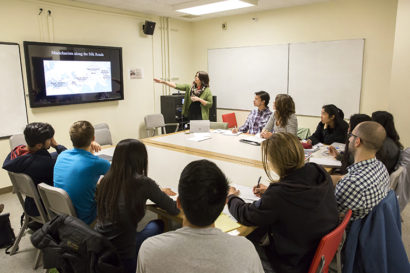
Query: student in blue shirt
point(77, 171)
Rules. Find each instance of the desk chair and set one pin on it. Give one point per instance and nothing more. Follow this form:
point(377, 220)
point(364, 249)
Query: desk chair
point(328, 246)
point(230, 119)
point(102, 134)
point(303, 133)
point(16, 140)
point(56, 201)
point(24, 185)
point(218, 125)
point(155, 121)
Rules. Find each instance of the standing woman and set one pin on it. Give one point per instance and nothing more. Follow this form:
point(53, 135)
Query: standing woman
point(121, 196)
point(331, 128)
point(295, 212)
point(198, 96)
point(283, 119)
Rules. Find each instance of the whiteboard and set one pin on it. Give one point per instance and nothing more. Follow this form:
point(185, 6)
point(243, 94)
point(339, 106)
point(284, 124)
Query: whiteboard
point(235, 74)
point(13, 113)
point(326, 73)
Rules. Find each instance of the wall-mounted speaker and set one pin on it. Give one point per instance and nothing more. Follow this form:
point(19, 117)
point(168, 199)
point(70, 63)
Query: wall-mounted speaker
point(148, 27)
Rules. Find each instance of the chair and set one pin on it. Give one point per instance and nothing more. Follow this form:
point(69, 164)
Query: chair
point(218, 125)
point(56, 201)
point(16, 140)
point(155, 121)
point(24, 185)
point(102, 134)
point(303, 133)
point(230, 118)
point(328, 246)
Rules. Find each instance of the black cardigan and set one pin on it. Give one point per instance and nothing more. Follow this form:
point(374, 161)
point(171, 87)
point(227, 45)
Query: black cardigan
point(297, 212)
point(329, 135)
point(122, 234)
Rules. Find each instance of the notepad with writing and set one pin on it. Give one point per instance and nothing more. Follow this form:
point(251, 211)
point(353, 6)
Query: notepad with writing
point(225, 223)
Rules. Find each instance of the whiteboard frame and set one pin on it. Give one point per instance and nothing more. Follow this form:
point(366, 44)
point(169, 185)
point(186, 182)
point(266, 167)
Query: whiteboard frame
point(15, 130)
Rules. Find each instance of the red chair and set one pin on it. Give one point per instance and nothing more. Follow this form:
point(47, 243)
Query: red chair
point(328, 246)
point(230, 119)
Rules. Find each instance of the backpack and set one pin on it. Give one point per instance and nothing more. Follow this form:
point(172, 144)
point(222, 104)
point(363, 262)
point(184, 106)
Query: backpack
point(7, 236)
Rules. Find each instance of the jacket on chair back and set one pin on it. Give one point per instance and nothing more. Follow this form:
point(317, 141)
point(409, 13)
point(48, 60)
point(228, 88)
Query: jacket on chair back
point(71, 246)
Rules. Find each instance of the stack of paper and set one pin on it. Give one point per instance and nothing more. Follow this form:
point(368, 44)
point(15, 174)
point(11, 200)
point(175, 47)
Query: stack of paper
point(225, 223)
point(200, 137)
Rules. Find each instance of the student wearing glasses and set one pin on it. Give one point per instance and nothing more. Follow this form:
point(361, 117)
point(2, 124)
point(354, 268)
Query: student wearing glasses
point(198, 97)
point(367, 180)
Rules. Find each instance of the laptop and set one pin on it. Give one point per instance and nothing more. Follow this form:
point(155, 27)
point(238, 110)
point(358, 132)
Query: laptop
point(199, 126)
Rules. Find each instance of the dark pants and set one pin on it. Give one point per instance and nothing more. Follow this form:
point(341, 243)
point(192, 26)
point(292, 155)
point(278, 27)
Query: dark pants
point(153, 228)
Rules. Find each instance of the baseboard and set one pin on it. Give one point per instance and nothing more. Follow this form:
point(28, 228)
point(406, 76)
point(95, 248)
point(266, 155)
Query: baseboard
point(6, 189)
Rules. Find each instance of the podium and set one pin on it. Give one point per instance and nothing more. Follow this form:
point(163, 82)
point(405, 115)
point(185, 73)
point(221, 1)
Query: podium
point(171, 109)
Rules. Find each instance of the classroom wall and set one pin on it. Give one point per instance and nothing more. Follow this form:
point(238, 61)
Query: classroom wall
point(399, 95)
point(373, 20)
point(83, 24)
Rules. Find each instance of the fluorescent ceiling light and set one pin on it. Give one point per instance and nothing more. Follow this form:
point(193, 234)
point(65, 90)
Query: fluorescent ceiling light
point(218, 7)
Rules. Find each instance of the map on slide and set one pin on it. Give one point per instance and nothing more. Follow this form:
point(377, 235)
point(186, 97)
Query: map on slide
point(77, 77)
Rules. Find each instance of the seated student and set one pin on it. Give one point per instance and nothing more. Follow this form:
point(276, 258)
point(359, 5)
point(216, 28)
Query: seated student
point(121, 196)
point(367, 180)
point(389, 153)
point(198, 246)
point(78, 170)
point(283, 119)
point(295, 212)
point(34, 159)
point(331, 128)
point(345, 157)
point(258, 117)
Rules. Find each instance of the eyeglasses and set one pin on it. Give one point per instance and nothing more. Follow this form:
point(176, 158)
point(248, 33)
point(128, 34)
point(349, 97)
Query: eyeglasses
point(351, 135)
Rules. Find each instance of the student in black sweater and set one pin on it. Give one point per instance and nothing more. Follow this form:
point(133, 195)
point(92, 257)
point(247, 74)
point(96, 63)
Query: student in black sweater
point(121, 196)
point(331, 128)
point(389, 153)
point(295, 212)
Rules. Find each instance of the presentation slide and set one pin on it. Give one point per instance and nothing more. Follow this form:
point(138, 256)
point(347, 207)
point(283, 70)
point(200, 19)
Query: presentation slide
point(77, 77)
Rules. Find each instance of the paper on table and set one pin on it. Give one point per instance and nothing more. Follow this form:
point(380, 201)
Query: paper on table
point(230, 133)
point(200, 137)
point(326, 161)
point(225, 223)
point(246, 193)
point(338, 146)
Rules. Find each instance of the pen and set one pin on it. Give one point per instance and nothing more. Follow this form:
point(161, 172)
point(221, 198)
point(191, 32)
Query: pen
point(259, 180)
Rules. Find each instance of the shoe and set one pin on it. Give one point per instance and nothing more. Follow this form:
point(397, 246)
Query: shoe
point(1, 208)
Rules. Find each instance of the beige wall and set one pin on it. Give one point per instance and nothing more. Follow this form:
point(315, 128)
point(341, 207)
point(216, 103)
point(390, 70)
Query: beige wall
point(82, 25)
point(373, 20)
point(399, 95)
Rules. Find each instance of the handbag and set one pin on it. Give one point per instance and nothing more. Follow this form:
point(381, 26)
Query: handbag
point(7, 236)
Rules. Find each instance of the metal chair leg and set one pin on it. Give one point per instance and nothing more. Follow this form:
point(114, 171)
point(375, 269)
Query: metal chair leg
point(21, 233)
point(37, 260)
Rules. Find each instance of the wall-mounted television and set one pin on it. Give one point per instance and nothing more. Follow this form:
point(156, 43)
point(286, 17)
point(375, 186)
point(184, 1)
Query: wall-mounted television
point(59, 74)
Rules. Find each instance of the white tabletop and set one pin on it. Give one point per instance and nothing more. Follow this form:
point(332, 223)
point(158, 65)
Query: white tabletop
point(219, 146)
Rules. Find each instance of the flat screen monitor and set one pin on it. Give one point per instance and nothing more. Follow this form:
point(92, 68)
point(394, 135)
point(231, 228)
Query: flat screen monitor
point(59, 74)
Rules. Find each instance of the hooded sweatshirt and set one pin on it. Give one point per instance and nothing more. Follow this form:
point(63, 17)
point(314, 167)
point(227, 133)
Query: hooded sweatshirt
point(38, 165)
point(296, 212)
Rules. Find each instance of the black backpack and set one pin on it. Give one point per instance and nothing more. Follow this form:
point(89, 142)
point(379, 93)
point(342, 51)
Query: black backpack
point(7, 236)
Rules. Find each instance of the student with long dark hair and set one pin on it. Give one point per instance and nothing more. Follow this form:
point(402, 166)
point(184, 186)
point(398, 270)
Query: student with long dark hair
point(198, 97)
point(121, 196)
point(344, 156)
point(331, 128)
point(389, 153)
point(295, 211)
point(283, 119)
